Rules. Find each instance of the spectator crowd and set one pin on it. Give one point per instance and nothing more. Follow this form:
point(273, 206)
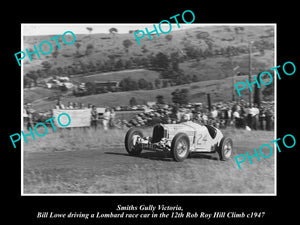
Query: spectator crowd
point(221, 115)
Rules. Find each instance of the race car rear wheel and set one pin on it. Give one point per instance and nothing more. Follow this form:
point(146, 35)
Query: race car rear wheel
point(131, 141)
point(225, 148)
point(180, 147)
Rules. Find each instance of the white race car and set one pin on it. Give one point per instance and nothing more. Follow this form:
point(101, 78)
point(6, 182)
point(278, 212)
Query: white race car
point(180, 139)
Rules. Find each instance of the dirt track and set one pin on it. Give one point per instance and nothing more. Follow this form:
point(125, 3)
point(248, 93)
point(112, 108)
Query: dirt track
point(112, 170)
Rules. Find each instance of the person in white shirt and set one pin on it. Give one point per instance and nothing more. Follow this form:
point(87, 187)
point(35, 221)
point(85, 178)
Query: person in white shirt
point(236, 119)
point(214, 113)
point(59, 105)
point(255, 115)
point(106, 118)
point(70, 105)
point(112, 118)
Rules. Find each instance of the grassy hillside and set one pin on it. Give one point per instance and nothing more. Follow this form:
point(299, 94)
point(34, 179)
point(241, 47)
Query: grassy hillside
point(220, 90)
point(119, 75)
point(106, 46)
point(210, 53)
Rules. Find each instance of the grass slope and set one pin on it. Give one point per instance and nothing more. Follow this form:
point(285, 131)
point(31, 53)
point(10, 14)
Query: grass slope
point(220, 90)
point(106, 45)
point(135, 74)
point(88, 161)
point(217, 68)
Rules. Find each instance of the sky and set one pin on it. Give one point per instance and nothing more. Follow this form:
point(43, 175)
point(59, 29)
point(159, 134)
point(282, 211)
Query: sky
point(52, 29)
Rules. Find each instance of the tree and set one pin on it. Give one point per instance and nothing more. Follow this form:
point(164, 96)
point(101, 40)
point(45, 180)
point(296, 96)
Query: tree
point(77, 45)
point(202, 35)
point(46, 65)
point(144, 49)
point(89, 49)
point(180, 96)
point(143, 84)
point(113, 30)
point(33, 75)
point(150, 86)
point(132, 102)
point(127, 43)
point(160, 61)
point(55, 52)
point(195, 78)
point(89, 29)
point(175, 59)
point(160, 99)
point(90, 87)
point(119, 65)
point(128, 84)
point(63, 88)
point(165, 83)
point(169, 37)
point(128, 64)
point(157, 83)
point(27, 81)
point(236, 29)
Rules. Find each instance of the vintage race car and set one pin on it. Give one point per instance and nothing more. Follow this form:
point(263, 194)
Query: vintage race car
point(180, 140)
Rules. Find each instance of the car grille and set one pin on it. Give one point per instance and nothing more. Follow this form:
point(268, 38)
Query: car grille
point(158, 133)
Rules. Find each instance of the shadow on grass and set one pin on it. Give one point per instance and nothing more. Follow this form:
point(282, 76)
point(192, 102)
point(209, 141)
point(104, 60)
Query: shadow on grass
point(165, 156)
point(147, 155)
point(198, 155)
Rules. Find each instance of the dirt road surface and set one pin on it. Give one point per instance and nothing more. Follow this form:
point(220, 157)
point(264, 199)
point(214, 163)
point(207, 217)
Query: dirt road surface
point(110, 170)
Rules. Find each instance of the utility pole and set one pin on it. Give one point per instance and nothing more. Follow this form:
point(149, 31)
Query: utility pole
point(250, 70)
point(233, 81)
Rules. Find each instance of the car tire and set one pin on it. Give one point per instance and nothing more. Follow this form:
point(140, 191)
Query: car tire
point(180, 147)
point(225, 148)
point(130, 139)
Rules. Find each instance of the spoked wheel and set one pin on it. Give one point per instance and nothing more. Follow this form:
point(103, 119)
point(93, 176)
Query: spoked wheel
point(180, 147)
point(131, 141)
point(225, 148)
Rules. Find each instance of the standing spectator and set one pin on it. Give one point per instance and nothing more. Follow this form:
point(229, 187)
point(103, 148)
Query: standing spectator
point(243, 117)
point(94, 117)
point(174, 116)
point(204, 119)
point(29, 111)
point(262, 118)
point(106, 118)
point(81, 106)
point(248, 116)
point(69, 105)
point(229, 116)
point(214, 113)
point(59, 105)
point(269, 119)
point(186, 116)
point(255, 115)
point(197, 117)
point(236, 119)
point(214, 117)
point(112, 118)
point(75, 105)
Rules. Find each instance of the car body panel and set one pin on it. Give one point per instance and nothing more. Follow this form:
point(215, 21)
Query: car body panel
point(200, 137)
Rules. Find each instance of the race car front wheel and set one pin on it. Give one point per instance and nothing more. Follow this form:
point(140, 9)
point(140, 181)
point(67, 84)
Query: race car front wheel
point(180, 147)
point(131, 141)
point(225, 148)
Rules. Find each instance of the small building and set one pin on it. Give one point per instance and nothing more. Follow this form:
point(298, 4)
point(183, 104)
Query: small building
point(151, 104)
point(110, 85)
